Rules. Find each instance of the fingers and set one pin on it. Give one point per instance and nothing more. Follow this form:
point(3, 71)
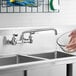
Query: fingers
point(71, 46)
point(73, 33)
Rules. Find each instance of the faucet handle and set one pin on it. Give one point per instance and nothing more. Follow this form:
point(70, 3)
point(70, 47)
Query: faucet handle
point(14, 41)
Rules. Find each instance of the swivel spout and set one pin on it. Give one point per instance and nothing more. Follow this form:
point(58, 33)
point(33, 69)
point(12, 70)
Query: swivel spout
point(39, 30)
point(33, 32)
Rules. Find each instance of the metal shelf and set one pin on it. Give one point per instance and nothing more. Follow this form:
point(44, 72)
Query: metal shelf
point(42, 7)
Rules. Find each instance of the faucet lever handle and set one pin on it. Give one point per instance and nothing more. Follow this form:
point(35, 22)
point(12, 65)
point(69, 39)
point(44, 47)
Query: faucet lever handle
point(13, 41)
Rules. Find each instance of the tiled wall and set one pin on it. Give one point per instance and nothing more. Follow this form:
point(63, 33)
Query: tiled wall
point(66, 17)
point(63, 21)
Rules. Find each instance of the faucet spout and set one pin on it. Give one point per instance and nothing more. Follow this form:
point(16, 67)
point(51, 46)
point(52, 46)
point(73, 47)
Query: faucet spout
point(33, 32)
point(55, 31)
point(39, 30)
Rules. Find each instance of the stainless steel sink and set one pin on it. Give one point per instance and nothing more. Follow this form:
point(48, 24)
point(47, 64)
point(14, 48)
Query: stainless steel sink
point(16, 60)
point(53, 55)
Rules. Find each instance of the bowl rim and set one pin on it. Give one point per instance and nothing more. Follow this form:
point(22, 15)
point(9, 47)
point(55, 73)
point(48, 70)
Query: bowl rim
point(61, 45)
point(57, 40)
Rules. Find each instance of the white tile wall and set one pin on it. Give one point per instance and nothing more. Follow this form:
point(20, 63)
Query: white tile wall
point(66, 17)
point(63, 21)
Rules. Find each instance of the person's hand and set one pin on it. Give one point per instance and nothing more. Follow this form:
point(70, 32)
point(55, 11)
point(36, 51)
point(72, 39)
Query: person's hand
point(72, 42)
point(73, 33)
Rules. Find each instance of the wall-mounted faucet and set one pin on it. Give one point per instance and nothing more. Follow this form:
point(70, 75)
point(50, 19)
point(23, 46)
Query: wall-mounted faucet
point(24, 39)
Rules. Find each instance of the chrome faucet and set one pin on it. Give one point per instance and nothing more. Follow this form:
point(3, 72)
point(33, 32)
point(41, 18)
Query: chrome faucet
point(29, 40)
point(23, 39)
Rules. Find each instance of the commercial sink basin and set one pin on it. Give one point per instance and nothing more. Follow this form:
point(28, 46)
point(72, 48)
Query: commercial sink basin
point(53, 55)
point(9, 60)
point(37, 59)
